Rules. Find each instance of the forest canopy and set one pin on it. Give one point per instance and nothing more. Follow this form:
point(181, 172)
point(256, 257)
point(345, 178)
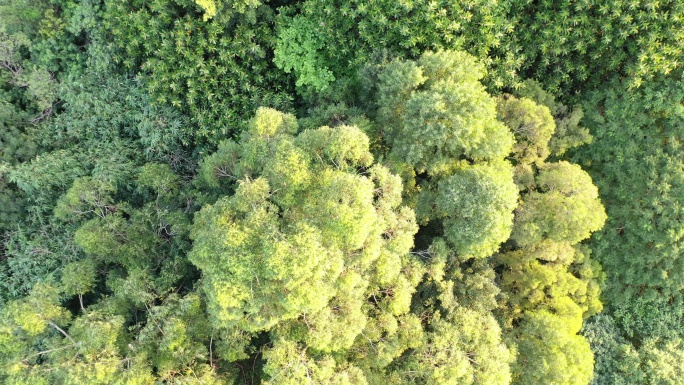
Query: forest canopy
point(341, 192)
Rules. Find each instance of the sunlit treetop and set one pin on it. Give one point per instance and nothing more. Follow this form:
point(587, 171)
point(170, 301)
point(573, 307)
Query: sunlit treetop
point(311, 231)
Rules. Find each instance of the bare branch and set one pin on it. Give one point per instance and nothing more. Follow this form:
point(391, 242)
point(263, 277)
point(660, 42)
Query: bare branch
point(54, 325)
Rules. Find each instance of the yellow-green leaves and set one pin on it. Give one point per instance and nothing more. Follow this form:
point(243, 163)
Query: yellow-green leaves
point(565, 207)
point(34, 313)
point(532, 125)
point(436, 110)
point(465, 349)
point(476, 204)
point(311, 232)
point(209, 7)
point(549, 285)
point(550, 352)
point(288, 364)
point(343, 146)
point(440, 129)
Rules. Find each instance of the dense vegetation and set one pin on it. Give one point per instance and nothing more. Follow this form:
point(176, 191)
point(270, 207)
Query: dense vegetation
point(341, 192)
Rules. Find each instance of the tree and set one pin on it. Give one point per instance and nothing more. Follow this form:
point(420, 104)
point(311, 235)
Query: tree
point(532, 125)
point(636, 161)
point(555, 277)
point(568, 133)
point(476, 204)
point(564, 207)
point(578, 45)
point(310, 234)
point(78, 278)
point(551, 352)
point(290, 365)
point(548, 285)
point(435, 111)
point(439, 128)
point(637, 169)
point(323, 41)
point(465, 349)
point(210, 59)
point(617, 361)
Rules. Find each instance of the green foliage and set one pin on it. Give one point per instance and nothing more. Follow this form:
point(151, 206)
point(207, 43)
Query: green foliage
point(550, 352)
point(568, 132)
point(563, 207)
point(439, 127)
point(11, 55)
point(143, 247)
point(617, 361)
point(85, 196)
point(435, 111)
point(11, 206)
point(643, 318)
point(554, 277)
point(532, 126)
point(21, 16)
point(298, 49)
point(305, 240)
point(15, 143)
point(290, 365)
point(476, 204)
point(636, 160)
point(467, 349)
point(576, 45)
point(324, 40)
point(173, 341)
point(34, 313)
point(656, 361)
point(461, 341)
point(79, 277)
point(305, 263)
point(159, 178)
point(37, 81)
point(149, 238)
point(548, 285)
point(103, 110)
point(36, 349)
point(16, 146)
point(49, 175)
point(663, 361)
point(217, 71)
point(35, 254)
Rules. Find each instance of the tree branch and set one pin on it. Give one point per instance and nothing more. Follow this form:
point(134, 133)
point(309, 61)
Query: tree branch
point(65, 334)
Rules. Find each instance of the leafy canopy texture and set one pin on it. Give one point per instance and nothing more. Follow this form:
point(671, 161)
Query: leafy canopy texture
point(564, 206)
point(311, 231)
point(321, 41)
point(209, 58)
point(439, 126)
point(637, 161)
point(435, 111)
point(421, 223)
point(577, 45)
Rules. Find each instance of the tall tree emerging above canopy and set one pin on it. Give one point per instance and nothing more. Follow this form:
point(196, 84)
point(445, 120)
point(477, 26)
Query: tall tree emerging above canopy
point(438, 125)
point(312, 231)
point(435, 112)
point(548, 285)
